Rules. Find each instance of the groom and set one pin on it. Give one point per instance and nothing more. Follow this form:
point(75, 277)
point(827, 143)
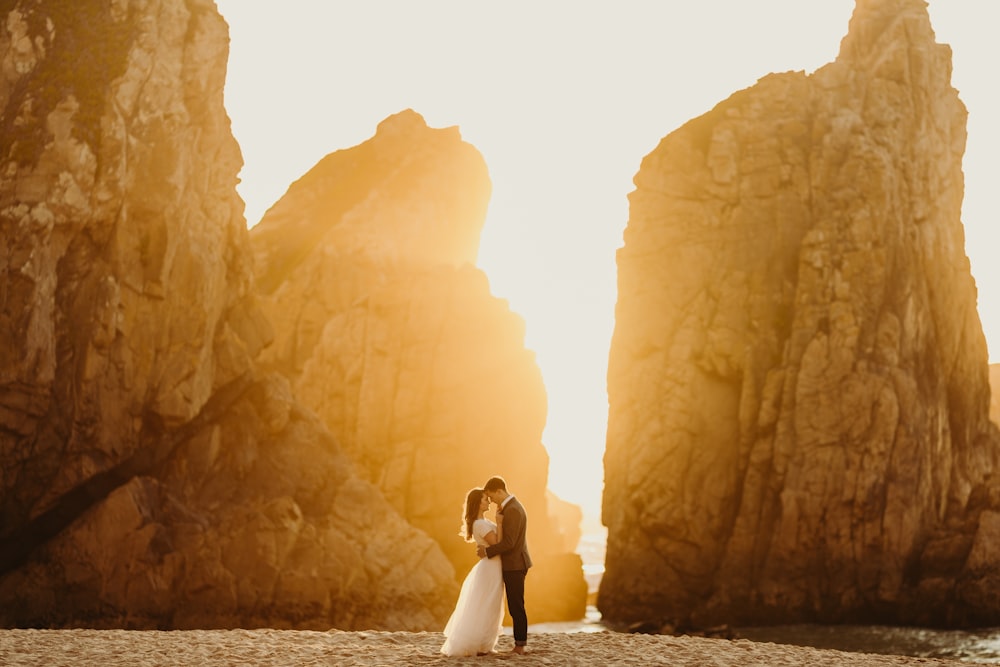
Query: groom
point(513, 551)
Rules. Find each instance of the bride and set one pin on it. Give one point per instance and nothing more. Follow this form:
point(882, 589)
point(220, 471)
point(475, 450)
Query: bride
point(476, 622)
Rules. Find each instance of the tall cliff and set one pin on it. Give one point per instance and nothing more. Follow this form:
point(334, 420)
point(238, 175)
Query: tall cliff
point(798, 424)
point(386, 328)
point(150, 475)
point(995, 393)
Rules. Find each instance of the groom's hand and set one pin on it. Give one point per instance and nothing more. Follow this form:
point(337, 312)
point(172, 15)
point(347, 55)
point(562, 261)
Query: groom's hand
point(481, 550)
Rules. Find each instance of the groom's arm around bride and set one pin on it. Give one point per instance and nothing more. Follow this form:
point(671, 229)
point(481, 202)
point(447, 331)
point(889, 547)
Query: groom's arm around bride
point(500, 547)
point(511, 546)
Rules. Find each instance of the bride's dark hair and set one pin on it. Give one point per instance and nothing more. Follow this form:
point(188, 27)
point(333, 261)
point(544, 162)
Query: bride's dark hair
point(472, 501)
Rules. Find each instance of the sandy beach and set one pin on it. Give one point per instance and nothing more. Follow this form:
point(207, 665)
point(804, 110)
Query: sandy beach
point(205, 648)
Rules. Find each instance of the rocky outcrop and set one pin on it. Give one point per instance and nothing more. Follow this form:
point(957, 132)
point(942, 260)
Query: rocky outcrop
point(386, 328)
point(798, 425)
point(150, 474)
point(995, 393)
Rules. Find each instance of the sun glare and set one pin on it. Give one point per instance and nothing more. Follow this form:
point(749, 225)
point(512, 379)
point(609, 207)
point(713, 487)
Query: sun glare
point(563, 101)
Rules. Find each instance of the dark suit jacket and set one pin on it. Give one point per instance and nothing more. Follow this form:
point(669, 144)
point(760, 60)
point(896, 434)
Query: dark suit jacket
point(512, 547)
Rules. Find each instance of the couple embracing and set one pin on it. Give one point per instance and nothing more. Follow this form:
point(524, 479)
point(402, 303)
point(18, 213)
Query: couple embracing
point(504, 561)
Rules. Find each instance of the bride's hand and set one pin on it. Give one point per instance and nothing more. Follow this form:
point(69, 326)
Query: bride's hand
point(499, 519)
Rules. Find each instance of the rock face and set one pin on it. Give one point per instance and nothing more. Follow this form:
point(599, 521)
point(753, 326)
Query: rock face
point(388, 331)
point(798, 425)
point(150, 474)
point(995, 393)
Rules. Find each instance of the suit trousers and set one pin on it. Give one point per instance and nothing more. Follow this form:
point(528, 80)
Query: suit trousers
point(513, 583)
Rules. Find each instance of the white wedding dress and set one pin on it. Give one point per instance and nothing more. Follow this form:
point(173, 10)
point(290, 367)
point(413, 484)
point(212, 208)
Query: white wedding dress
point(478, 617)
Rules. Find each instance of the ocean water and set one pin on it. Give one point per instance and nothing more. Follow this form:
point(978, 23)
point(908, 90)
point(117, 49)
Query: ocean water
point(972, 646)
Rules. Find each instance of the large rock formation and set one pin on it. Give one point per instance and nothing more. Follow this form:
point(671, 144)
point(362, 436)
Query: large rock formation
point(150, 475)
point(798, 425)
point(386, 328)
point(995, 393)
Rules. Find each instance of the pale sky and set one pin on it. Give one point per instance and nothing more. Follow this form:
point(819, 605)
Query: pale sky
point(563, 98)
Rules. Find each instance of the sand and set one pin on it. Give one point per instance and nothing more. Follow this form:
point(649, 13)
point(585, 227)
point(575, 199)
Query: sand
point(205, 648)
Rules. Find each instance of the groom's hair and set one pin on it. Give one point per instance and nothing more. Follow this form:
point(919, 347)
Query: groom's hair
point(495, 483)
